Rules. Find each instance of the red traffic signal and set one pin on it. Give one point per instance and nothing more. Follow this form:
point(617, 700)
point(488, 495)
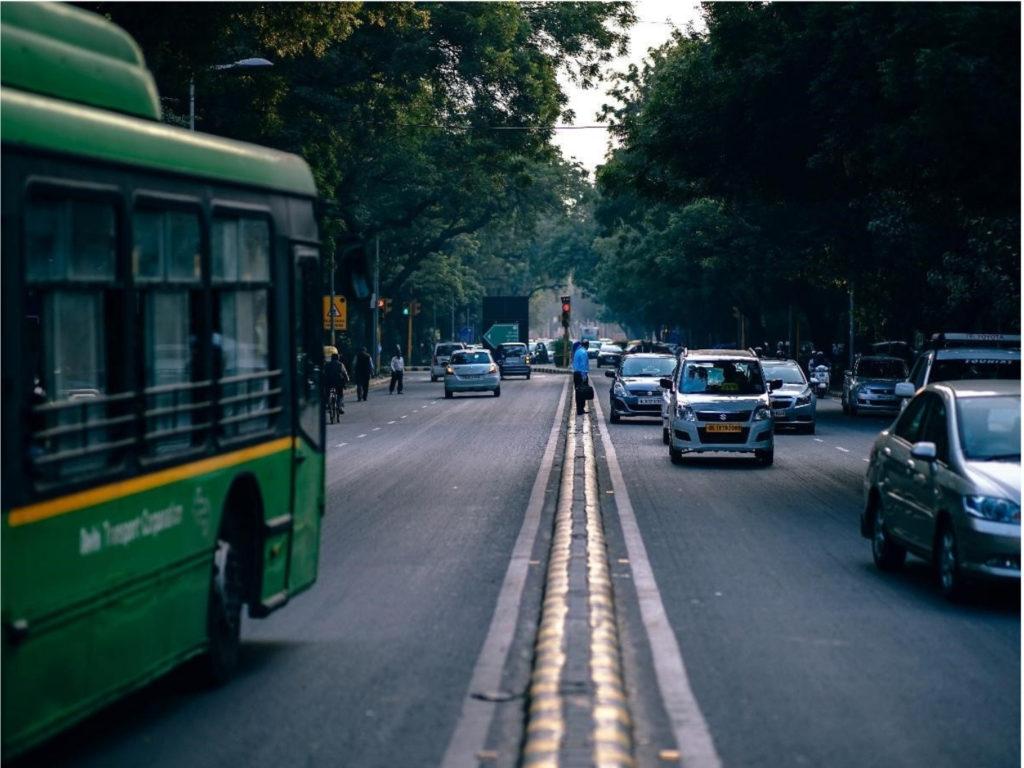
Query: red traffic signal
point(566, 306)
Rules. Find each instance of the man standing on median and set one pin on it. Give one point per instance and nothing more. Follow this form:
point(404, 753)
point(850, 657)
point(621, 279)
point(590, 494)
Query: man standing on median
point(580, 372)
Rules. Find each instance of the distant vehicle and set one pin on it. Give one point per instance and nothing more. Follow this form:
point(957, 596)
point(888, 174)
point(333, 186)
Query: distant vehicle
point(471, 370)
point(610, 354)
point(514, 359)
point(637, 390)
point(442, 351)
point(539, 353)
point(794, 404)
point(959, 356)
point(593, 349)
point(943, 482)
point(719, 401)
point(871, 385)
point(589, 332)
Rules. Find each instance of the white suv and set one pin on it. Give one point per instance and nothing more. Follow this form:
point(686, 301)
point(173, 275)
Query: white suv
point(718, 401)
point(442, 351)
point(959, 356)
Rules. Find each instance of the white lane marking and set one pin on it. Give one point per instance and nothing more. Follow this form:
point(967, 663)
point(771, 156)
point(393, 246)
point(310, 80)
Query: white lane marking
point(362, 435)
point(392, 422)
point(470, 734)
point(818, 440)
point(406, 416)
point(693, 737)
point(377, 429)
point(844, 450)
point(341, 445)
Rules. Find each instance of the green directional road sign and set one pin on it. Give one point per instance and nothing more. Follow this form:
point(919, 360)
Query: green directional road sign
point(502, 333)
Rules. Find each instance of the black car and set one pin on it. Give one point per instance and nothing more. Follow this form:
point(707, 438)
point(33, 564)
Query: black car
point(609, 354)
point(636, 390)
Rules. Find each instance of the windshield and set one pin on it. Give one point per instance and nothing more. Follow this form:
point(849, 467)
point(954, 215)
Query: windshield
point(466, 358)
point(654, 367)
point(731, 377)
point(989, 427)
point(975, 368)
point(882, 369)
point(790, 374)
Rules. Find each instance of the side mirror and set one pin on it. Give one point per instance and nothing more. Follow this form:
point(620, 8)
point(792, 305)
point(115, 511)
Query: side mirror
point(904, 389)
point(665, 383)
point(609, 374)
point(774, 384)
point(924, 450)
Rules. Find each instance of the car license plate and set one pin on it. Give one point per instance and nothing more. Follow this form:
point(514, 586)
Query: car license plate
point(779, 412)
point(724, 428)
point(648, 401)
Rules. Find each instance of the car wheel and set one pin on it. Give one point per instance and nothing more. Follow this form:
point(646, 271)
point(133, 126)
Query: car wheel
point(448, 394)
point(497, 391)
point(765, 458)
point(809, 429)
point(853, 409)
point(664, 435)
point(615, 417)
point(888, 555)
point(527, 377)
point(433, 378)
point(675, 455)
point(951, 578)
point(846, 404)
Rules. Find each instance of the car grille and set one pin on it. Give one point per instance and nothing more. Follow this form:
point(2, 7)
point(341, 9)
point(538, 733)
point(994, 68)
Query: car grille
point(717, 416)
point(880, 391)
point(782, 402)
point(723, 438)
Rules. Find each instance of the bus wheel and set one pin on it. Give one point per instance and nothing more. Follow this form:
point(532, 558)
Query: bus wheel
point(224, 615)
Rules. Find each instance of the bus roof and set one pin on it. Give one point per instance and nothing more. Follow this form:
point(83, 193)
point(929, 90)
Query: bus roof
point(39, 122)
point(69, 53)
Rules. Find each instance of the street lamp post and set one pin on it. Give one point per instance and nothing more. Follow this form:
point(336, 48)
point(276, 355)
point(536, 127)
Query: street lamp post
point(240, 64)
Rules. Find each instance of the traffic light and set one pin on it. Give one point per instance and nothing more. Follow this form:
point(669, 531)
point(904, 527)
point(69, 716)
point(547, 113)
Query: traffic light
point(405, 309)
point(414, 307)
point(383, 306)
point(566, 311)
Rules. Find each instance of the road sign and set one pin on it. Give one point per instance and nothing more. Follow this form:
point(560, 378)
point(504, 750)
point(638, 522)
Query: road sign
point(502, 333)
point(338, 313)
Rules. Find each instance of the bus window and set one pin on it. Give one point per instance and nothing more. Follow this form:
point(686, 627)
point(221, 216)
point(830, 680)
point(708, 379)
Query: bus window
point(165, 266)
point(240, 251)
point(70, 256)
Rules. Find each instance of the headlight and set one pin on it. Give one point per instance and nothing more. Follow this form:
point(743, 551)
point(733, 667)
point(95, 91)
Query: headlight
point(991, 508)
point(448, 370)
point(618, 389)
point(804, 399)
point(685, 412)
point(492, 369)
point(762, 413)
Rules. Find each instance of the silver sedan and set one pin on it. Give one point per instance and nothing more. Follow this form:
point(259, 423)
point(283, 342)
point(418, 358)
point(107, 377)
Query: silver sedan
point(471, 370)
point(943, 483)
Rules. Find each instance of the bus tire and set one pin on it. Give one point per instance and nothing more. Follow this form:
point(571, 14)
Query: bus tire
point(224, 612)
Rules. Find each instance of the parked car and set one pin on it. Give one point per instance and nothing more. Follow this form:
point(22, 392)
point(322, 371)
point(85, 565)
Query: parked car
point(471, 370)
point(514, 359)
point(719, 401)
point(609, 354)
point(637, 390)
point(958, 356)
point(794, 404)
point(442, 351)
point(871, 385)
point(943, 482)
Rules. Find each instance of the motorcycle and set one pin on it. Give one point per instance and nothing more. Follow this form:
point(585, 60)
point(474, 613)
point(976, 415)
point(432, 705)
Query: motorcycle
point(820, 379)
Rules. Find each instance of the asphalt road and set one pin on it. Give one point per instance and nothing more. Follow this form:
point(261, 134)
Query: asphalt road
point(796, 650)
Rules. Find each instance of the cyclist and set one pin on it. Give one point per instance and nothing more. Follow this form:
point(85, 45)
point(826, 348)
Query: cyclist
point(335, 377)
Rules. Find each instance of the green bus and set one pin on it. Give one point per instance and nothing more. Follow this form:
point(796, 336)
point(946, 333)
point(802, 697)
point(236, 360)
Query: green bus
point(163, 434)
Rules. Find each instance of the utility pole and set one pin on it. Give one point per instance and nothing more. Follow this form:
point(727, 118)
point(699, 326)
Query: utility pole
point(376, 311)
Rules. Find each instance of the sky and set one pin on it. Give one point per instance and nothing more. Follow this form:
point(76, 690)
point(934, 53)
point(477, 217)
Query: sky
point(655, 22)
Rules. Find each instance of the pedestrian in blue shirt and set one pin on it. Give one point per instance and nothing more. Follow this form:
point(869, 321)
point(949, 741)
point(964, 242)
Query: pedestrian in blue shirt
point(580, 372)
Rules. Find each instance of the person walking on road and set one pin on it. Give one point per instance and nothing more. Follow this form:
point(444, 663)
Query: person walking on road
point(580, 373)
point(364, 370)
point(397, 371)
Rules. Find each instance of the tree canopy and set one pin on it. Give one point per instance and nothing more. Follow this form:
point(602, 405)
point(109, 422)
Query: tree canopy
point(821, 147)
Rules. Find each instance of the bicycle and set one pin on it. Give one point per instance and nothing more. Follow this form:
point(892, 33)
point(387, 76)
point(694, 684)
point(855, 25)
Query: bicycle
point(333, 408)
